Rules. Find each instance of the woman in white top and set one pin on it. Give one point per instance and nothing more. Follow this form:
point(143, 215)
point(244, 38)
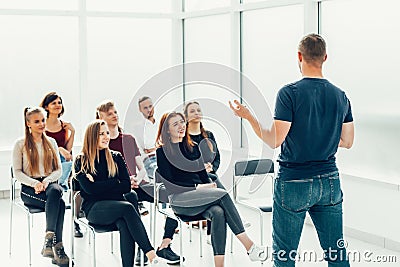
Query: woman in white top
point(37, 165)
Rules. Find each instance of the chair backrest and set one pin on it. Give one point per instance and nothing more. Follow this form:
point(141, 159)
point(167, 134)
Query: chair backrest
point(258, 169)
point(255, 166)
point(170, 187)
point(13, 181)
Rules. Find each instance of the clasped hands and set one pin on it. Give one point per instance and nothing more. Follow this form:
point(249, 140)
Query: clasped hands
point(40, 187)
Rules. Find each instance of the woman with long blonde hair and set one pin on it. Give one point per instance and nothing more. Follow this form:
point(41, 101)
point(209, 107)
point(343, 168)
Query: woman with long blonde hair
point(104, 179)
point(37, 165)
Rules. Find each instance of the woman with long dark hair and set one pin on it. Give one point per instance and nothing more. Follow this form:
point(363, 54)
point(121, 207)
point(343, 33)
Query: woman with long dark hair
point(64, 133)
point(191, 191)
point(204, 138)
point(37, 165)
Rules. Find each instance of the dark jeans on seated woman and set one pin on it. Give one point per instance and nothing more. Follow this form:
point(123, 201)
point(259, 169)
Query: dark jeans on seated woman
point(213, 204)
point(145, 193)
point(128, 222)
point(53, 204)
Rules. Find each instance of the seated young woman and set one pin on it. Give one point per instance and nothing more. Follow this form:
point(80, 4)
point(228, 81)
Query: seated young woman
point(37, 165)
point(207, 145)
point(191, 191)
point(104, 179)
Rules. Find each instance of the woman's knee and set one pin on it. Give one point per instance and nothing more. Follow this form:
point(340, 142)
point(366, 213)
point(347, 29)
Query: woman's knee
point(54, 190)
point(62, 204)
point(217, 213)
point(128, 208)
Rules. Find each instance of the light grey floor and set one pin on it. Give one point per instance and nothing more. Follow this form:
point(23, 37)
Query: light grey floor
point(238, 258)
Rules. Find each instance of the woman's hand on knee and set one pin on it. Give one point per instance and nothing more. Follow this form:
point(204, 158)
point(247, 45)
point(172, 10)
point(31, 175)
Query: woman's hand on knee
point(203, 186)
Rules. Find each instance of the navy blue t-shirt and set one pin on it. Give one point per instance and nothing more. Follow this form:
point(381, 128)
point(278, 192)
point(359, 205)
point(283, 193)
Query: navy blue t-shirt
point(317, 110)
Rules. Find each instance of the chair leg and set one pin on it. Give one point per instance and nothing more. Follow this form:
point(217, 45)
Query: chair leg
point(180, 244)
point(11, 221)
point(29, 239)
point(232, 242)
point(151, 222)
point(154, 222)
point(112, 242)
point(201, 238)
point(190, 231)
point(94, 248)
point(141, 258)
point(261, 228)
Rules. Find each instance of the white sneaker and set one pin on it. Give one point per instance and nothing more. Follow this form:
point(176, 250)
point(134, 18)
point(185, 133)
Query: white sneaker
point(158, 262)
point(209, 240)
point(257, 253)
point(246, 224)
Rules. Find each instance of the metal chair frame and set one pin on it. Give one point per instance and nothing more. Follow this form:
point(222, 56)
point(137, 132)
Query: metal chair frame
point(158, 184)
point(249, 168)
point(28, 210)
point(92, 229)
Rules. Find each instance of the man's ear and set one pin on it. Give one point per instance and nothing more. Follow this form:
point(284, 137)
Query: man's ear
point(299, 56)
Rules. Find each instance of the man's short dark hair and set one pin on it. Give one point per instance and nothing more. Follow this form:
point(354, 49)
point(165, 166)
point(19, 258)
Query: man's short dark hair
point(313, 49)
point(143, 98)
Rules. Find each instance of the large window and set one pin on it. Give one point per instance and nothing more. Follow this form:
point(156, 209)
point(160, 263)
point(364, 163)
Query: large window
point(39, 55)
point(122, 54)
point(269, 55)
point(138, 6)
point(40, 4)
point(208, 39)
point(195, 5)
point(92, 50)
point(363, 60)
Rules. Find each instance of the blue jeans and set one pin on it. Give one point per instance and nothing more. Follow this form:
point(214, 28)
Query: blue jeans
point(320, 196)
point(150, 164)
point(66, 171)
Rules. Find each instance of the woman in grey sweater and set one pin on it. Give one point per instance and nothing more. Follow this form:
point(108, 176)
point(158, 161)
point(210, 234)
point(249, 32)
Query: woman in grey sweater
point(37, 165)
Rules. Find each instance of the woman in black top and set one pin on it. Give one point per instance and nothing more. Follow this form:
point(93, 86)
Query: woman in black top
point(191, 190)
point(103, 179)
point(205, 139)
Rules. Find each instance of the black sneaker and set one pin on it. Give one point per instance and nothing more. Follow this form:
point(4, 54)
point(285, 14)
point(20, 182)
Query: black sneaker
point(77, 231)
point(138, 257)
point(170, 256)
point(142, 209)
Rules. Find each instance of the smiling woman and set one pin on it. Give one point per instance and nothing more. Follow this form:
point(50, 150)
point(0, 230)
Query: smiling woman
point(63, 132)
point(37, 165)
point(104, 179)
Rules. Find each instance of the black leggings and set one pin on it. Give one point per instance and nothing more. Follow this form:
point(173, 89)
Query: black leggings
point(53, 204)
point(128, 222)
point(145, 193)
point(215, 205)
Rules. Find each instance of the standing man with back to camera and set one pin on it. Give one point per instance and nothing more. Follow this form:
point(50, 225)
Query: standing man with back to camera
point(312, 119)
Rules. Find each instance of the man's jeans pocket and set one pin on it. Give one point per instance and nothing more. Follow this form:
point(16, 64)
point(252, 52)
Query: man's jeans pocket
point(336, 191)
point(296, 194)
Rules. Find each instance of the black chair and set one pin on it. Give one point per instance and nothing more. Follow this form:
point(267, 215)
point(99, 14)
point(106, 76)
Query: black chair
point(262, 169)
point(28, 210)
point(92, 229)
point(159, 184)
